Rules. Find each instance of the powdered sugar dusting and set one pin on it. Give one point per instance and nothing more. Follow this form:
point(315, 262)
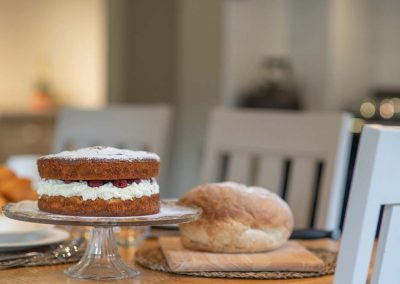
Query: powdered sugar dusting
point(104, 153)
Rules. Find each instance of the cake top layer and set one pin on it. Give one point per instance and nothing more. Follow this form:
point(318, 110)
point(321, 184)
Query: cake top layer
point(103, 153)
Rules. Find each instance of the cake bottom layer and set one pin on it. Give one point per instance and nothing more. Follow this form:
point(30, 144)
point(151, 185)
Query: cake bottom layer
point(76, 206)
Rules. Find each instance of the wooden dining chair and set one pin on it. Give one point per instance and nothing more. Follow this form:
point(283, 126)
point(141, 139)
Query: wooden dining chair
point(301, 156)
point(136, 127)
point(376, 183)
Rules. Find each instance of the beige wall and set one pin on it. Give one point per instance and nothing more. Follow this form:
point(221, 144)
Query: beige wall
point(340, 49)
point(387, 68)
point(142, 51)
point(169, 51)
point(198, 87)
point(351, 52)
point(308, 48)
point(61, 40)
point(256, 29)
point(252, 31)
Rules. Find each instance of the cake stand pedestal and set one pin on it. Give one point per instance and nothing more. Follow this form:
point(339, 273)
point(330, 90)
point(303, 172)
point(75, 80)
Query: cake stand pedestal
point(101, 260)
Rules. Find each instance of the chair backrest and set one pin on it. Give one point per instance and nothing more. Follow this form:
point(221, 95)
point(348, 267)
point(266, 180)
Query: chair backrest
point(138, 127)
point(301, 156)
point(376, 183)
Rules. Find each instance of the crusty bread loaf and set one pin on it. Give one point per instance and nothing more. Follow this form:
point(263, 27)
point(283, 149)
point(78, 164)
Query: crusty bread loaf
point(236, 218)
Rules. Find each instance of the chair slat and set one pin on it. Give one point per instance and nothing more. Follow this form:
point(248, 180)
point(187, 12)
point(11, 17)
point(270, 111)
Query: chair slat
point(270, 172)
point(301, 190)
point(386, 269)
point(375, 183)
point(211, 167)
point(239, 167)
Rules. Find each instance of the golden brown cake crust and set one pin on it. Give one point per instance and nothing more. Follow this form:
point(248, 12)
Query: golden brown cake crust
point(76, 206)
point(96, 169)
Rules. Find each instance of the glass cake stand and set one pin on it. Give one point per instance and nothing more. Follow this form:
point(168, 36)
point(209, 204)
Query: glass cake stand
point(101, 260)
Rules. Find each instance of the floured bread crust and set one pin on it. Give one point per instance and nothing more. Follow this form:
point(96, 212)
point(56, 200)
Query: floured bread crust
point(236, 218)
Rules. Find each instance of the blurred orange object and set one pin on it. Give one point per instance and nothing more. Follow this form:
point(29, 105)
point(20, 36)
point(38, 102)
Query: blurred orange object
point(6, 173)
point(41, 99)
point(2, 202)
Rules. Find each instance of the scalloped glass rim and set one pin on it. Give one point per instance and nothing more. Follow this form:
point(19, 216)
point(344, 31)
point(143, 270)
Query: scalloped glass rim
point(170, 213)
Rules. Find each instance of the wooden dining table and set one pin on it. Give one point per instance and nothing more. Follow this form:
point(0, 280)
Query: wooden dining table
point(55, 274)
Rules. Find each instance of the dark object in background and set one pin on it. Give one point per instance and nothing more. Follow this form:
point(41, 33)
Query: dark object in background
point(313, 234)
point(41, 100)
point(277, 92)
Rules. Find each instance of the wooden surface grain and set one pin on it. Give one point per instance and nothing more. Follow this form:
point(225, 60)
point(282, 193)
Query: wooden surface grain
point(290, 257)
point(54, 274)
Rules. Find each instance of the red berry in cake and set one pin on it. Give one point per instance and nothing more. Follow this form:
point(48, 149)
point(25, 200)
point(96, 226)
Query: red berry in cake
point(137, 180)
point(67, 181)
point(129, 181)
point(95, 183)
point(121, 183)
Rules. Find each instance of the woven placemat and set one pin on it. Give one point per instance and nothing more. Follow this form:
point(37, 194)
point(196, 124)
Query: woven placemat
point(153, 258)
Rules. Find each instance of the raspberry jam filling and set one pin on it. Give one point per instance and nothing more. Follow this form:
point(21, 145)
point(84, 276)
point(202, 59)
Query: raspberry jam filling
point(120, 183)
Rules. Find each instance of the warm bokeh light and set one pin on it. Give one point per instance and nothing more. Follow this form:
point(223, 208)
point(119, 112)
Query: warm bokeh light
point(396, 103)
point(358, 125)
point(386, 109)
point(367, 109)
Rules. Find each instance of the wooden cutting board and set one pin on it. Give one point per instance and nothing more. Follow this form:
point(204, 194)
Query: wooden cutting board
point(290, 257)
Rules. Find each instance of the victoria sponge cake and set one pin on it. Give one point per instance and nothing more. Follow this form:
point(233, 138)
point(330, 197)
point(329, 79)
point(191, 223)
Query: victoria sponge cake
point(236, 219)
point(99, 181)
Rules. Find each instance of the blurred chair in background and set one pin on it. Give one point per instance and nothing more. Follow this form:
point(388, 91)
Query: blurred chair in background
point(137, 127)
point(301, 156)
point(375, 183)
point(25, 133)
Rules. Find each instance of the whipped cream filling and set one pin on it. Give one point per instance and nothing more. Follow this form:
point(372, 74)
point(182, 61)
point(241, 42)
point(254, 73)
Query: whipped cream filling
point(107, 191)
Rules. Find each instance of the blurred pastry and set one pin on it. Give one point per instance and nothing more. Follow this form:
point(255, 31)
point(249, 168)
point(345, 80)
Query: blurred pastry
point(7, 186)
point(17, 190)
point(13, 188)
point(236, 219)
point(3, 202)
point(6, 173)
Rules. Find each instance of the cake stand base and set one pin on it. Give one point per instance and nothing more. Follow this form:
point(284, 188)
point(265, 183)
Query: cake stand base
point(101, 260)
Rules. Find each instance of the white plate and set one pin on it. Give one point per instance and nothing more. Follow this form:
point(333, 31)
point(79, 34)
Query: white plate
point(11, 228)
point(43, 237)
